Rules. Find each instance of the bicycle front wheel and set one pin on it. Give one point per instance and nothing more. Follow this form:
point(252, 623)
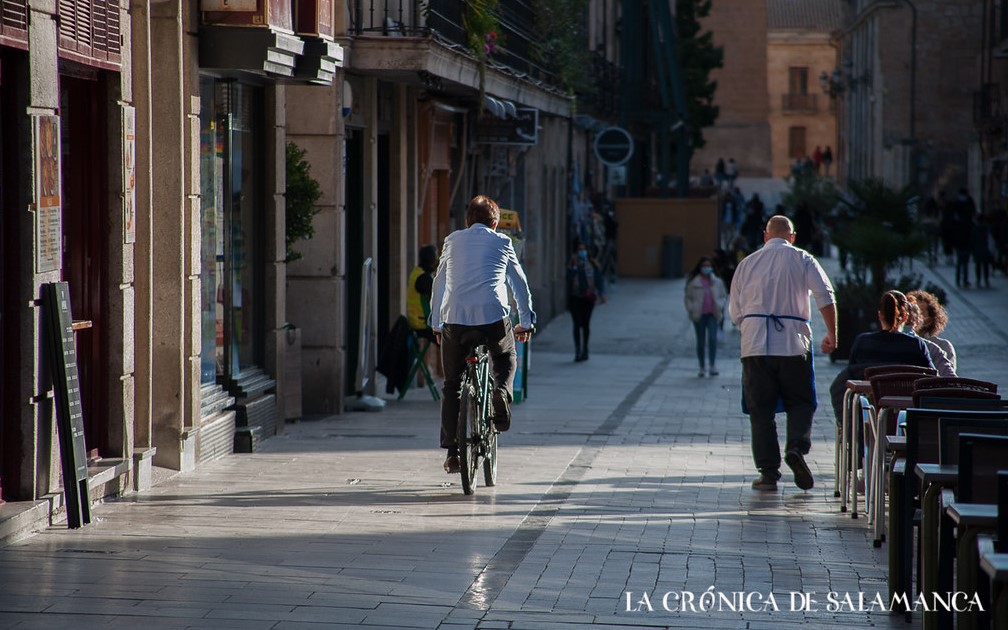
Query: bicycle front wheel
point(468, 439)
point(490, 457)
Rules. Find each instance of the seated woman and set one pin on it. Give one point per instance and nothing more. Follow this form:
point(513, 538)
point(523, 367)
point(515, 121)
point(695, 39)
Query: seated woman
point(938, 356)
point(933, 322)
point(888, 346)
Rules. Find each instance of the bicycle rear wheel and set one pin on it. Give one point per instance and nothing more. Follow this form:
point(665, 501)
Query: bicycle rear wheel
point(468, 439)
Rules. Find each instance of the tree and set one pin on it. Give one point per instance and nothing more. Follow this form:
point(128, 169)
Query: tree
point(698, 56)
point(302, 193)
point(561, 46)
point(880, 230)
point(817, 194)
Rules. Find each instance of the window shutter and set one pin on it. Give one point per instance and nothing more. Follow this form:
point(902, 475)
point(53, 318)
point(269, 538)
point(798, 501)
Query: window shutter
point(91, 28)
point(14, 14)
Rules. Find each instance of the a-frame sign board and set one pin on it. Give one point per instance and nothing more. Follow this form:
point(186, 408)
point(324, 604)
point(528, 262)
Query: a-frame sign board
point(69, 413)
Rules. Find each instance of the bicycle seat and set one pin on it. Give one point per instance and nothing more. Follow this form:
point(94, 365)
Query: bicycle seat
point(472, 339)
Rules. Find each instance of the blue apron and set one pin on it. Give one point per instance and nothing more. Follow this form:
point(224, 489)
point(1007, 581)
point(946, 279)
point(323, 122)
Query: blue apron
point(779, 327)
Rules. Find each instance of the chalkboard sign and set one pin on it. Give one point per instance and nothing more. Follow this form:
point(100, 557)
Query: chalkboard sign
point(59, 337)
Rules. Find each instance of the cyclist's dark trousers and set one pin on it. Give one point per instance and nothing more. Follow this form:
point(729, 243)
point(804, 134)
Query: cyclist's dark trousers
point(500, 343)
point(764, 381)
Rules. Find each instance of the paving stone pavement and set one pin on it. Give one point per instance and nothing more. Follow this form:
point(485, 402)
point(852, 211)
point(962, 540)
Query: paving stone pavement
point(623, 474)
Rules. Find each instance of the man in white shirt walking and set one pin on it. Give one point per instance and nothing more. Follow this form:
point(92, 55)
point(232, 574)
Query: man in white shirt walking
point(769, 302)
point(470, 293)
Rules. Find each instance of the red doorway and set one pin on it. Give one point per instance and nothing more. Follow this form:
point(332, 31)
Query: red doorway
point(83, 134)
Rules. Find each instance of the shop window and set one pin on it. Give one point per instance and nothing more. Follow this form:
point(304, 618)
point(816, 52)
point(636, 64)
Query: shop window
point(233, 237)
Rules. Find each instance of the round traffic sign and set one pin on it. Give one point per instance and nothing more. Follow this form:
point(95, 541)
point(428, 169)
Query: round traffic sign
point(614, 146)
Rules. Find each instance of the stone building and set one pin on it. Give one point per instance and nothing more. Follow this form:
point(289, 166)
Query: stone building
point(742, 130)
point(141, 152)
point(142, 161)
point(800, 61)
point(907, 74)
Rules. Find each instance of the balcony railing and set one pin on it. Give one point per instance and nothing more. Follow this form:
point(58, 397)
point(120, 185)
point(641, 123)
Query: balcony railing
point(799, 103)
point(442, 19)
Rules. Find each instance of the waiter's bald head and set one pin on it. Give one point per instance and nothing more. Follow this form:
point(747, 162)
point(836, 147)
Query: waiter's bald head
point(779, 226)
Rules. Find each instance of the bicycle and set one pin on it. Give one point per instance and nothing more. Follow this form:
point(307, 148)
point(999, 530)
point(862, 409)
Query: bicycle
point(477, 437)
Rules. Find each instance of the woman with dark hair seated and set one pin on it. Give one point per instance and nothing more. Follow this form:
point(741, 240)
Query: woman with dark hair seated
point(888, 346)
point(933, 322)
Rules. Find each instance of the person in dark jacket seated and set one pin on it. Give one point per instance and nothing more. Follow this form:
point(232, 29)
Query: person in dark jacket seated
point(888, 346)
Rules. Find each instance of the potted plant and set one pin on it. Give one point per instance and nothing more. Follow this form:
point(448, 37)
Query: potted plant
point(876, 228)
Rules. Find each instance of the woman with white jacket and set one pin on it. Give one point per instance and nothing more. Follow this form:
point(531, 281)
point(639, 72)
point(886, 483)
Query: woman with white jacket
point(705, 300)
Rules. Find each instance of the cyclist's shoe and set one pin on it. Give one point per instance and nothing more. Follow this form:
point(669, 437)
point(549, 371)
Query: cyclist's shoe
point(501, 409)
point(452, 465)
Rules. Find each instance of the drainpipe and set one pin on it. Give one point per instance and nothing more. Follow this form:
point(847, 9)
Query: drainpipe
point(913, 69)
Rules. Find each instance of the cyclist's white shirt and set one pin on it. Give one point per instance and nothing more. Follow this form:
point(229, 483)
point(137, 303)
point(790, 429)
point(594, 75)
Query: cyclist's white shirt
point(777, 279)
point(470, 287)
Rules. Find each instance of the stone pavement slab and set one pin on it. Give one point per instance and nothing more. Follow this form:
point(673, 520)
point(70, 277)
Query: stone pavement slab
point(623, 474)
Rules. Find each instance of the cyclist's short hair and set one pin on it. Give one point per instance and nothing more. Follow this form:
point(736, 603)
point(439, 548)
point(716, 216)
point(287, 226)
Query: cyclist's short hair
point(482, 209)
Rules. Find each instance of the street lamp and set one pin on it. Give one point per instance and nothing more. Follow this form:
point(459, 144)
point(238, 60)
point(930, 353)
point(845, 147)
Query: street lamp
point(832, 83)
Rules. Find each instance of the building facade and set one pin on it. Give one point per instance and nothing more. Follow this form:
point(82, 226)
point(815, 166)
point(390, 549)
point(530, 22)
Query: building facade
point(742, 130)
point(800, 60)
point(420, 124)
point(907, 74)
point(142, 150)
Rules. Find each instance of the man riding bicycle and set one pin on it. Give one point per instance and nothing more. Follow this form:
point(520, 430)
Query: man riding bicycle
point(470, 294)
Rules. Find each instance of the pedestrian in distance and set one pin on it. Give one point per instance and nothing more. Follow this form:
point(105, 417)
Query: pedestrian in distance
point(719, 172)
point(419, 287)
point(585, 287)
point(731, 172)
point(470, 293)
point(827, 159)
point(962, 235)
point(981, 245)
point(705, 298)
point(769, 303)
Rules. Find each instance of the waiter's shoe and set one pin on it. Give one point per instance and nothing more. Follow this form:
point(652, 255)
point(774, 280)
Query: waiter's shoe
point(802, 474)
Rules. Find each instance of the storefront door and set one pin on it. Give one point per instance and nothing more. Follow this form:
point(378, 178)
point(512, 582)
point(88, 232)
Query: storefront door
point(84, 149)
point(233, 230)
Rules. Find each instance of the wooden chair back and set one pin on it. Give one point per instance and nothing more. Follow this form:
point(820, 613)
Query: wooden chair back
point(980, 459)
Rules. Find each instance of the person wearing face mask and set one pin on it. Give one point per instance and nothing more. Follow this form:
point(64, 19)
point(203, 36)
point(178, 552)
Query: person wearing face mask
point(585, 286)
point(705, 299)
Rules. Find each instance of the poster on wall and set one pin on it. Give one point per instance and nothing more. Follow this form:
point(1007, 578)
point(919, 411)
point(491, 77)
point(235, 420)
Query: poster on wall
point(129, 174)
point(48, 217)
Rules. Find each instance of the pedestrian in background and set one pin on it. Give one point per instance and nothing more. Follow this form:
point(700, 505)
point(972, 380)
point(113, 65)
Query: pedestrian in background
point(980, 246)
point(962, 235)
point(585, 286)
point(827, 159)
point(419, 287)
point(705, 298)
point(769, 302)
point(731, 172)
point(719, 172)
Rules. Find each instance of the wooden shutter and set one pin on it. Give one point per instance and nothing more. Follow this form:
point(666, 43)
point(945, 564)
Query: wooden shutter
point(14, 21)
point(89, 32)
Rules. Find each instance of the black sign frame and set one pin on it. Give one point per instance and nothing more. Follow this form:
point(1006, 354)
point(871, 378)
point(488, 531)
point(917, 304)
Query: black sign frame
point(62, 351)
